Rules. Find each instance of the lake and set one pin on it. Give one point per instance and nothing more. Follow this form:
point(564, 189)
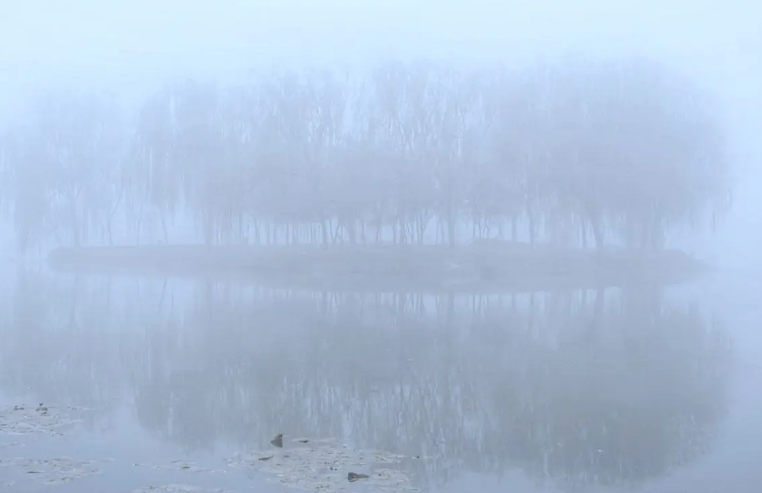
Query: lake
point(165, 385)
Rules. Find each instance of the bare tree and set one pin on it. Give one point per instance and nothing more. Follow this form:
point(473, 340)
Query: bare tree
point(614, 152)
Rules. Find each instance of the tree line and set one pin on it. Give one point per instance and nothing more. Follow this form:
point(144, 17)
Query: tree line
point(577, 153)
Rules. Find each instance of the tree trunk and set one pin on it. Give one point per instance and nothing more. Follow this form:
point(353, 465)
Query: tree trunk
point(451, 229)
point(597, 233)
point(324, 232)
point(423, 223)
point(531, 226)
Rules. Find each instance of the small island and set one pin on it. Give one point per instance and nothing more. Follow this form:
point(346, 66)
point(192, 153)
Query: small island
point(489, 266)
point(414, 176)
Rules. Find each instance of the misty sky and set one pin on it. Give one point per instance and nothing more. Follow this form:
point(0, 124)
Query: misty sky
point(131, 47)
point(138, 41)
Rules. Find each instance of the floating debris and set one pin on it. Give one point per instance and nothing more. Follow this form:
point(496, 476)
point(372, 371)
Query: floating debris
point(278, 440)
point(58, 470)
point(353, 476)
point(179, 465)
point(301, 440)
point(179, 488)
point(46, 420)
point(324, 467)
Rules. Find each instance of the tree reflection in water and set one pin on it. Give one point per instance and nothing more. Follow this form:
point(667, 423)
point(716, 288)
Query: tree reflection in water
point(578, 388)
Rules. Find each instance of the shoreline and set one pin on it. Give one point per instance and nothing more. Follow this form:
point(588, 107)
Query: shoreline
point(504, 267)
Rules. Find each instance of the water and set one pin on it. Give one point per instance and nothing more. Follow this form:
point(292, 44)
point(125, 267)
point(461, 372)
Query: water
point(607, 390)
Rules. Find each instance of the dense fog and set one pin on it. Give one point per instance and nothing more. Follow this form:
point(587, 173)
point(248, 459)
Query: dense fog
point(577, 151)
point(633, 140)
point(540, 383)
point(427, 246)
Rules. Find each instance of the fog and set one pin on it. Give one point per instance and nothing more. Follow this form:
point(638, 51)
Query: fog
point(479, 245)
point(133, 50)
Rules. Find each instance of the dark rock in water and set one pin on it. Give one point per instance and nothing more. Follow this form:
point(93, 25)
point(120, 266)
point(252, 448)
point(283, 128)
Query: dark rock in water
point(278, 440)
point(306, 467)
point(352, 477)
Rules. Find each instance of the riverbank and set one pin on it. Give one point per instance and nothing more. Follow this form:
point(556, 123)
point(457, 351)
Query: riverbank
point(504, 266)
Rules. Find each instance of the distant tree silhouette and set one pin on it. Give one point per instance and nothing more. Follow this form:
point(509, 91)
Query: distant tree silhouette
point(575, 153)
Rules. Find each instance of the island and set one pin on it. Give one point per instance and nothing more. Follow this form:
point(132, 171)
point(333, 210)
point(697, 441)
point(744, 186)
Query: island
point(490, 266)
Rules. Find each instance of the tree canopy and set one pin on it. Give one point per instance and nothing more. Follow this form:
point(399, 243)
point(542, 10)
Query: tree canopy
point(576, 153)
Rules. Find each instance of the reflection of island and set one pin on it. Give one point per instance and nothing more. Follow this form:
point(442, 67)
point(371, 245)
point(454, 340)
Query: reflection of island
point(579, 389)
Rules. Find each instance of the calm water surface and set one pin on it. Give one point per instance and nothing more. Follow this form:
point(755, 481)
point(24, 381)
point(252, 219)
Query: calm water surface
point(611, 390)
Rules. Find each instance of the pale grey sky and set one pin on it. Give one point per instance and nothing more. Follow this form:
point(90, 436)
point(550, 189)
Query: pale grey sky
point(126, 41)
point(133, 46)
